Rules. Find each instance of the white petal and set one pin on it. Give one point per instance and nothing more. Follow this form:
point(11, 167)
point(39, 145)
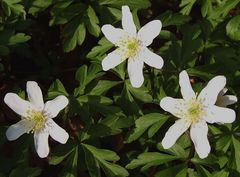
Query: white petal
point(186, 88)
point(41, 143)
point(18, 129)
point(113, 59)
point(53, 107)
point(174, 132)
point(35, 95)
point(216, 114)
point(17, 104)
point(210, 93)
point(56, 132)
point(174, 106)
point(152, 59)
point(135, 72)
point(149, 31)
point(226, 100)
point(127, 21)
point(198, 134)
point(112, 34)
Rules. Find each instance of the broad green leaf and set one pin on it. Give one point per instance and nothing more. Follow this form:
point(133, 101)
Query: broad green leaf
point(92, 22)
point(56, 89)
point(102, 86)
point(233, 28)
point(169, 18)
point(186, 6)
point(149, 159)
point(25, 171)
point(172, 171)
point(102, 156)
point(144, 122)
point(134, 4)
point(236, 145)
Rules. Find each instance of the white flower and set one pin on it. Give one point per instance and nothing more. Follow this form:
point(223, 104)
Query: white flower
point(36, 117)
point(225, 100)
point(195, 111)
point(132, 45)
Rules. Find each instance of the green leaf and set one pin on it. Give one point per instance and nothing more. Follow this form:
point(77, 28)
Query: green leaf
point(102, 156)
point(92, 22)
point(236, 145)
point(172, 171)
point(233, 28)
point(141, 93)
point(71, 164)
point(144, 122)
point(26, 172)
point(85, 75)
point(186, 6)
point(37, 6)
point(133, 4)
point(4, 50)
point(206, 7)
point(169, 18)
point(13, 7)
point(56, 89)
point(102, 86)
point(74, 34)
point(149, 159)
point(99, 51)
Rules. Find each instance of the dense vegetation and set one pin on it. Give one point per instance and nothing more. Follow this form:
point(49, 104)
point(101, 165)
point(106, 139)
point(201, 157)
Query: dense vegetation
point(116, 129)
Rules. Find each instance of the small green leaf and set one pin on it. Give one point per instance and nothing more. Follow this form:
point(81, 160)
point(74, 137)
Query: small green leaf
point(233, 28)
point(56, 89)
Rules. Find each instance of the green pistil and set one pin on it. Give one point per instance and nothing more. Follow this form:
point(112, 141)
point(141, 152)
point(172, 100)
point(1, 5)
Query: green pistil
point(195, 111)
point(38, 118)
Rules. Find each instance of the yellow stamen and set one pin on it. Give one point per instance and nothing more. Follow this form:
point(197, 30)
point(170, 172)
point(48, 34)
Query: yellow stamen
point(38, 118)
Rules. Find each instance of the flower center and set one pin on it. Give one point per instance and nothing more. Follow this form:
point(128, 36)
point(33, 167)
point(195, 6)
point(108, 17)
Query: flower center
point(129, 46)
point(195, 111)
point(38, 118)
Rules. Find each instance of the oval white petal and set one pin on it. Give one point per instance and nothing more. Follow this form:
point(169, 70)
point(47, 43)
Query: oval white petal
point(174, 106)
point(112, 34)
point(17, 104)
point(174, 132)
point(53, 107)
point(56, 132)
point(198, 134)
point(127, 21)
point(135, 72)
point(152, 59)
point(149, 31)
point(41, 143)
point(18, 129)
point(186, 88)
point(216, 114)
point(210, 93)
point(113, 59)
point(35, 95)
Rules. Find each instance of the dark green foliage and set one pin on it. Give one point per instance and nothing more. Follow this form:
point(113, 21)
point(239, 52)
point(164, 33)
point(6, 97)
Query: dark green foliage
point(116, 130)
